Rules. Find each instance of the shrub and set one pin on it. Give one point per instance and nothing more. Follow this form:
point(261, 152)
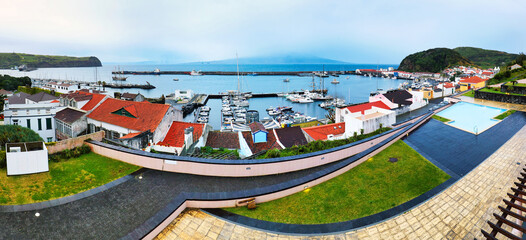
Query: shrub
point(67, 154)
point(3, 162)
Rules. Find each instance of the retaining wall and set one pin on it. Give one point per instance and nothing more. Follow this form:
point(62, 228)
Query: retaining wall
point(71, 143)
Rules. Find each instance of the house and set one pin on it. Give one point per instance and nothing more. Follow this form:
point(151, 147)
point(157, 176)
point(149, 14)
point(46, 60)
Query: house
point(146, 122)
point(366, 116)
point(4, 92)
point(33, 111)
point(230, 141)
point(290, 136)
point(259, 133)
point(258, 139)
point(400, 101)
point(70, 123)
point(133, 97)
point(332, 131)
point(515, 66)
point(183, 135)
point(472, 82)
point(82, 99)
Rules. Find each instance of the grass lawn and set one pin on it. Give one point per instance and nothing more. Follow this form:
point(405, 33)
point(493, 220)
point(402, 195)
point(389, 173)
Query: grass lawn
point(64, 178)
point(505, 114)
point(442, 119)
point(371, 187)
point(469, 94)
point(498, 92)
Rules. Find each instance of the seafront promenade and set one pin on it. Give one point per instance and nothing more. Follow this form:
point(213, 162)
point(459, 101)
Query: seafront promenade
point(459, 212)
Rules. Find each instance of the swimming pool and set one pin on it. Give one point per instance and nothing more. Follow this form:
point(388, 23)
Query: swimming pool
point(471, 117)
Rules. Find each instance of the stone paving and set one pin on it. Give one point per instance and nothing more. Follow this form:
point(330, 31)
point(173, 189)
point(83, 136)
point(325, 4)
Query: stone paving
point(459, 212)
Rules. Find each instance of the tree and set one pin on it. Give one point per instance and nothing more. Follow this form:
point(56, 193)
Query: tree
point(520, 59)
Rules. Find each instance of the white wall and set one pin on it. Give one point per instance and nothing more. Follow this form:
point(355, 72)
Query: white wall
point(353, 122)
point(244, 150)
point(27, 162)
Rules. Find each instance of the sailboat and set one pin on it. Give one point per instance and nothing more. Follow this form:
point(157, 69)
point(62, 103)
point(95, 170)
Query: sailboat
point(118, 75)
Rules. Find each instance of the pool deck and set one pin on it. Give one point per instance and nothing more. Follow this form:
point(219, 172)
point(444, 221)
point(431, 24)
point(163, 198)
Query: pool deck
point(458, 212)
point(518, 107)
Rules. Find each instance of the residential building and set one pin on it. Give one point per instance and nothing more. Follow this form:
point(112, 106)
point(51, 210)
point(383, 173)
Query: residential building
point(82, 99)
point(472, 82)
point(182, 136)
point(290, 136)
point(400, 101)
point(332, 131)
point(136, 97)
point(258, 139)
point(366, 116)
point(33, 111)
point(70, 123)
point(259, 133)
point(4, 92)
point(127, 119)
point(515, 66)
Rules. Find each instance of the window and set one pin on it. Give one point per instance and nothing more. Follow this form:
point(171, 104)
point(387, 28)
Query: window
point(28, 121)
point(48, 123)
point(39, 123)
point(49, 139)
point(15, 121)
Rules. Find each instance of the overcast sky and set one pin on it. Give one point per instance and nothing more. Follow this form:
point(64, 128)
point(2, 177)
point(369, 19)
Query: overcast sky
point(175, 31)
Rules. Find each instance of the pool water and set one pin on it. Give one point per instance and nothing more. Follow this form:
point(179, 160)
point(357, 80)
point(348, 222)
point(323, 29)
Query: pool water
point(471, 117)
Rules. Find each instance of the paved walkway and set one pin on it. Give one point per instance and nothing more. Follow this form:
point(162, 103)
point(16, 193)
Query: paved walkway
point(458, 212)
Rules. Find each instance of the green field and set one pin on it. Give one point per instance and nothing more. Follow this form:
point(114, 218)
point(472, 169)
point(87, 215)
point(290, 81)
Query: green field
point(442, 119)
point(64, 178)
point(371, 187)
point(469, 94)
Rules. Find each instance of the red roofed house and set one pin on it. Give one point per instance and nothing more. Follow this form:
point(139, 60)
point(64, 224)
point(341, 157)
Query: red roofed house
point(326, 132)
point(366, 116)
point(76, 103)
point(135, 124)
point(472, 82)
point(486, 74)
point(181, 136)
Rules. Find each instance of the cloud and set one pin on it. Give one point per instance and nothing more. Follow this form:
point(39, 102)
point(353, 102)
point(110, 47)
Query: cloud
point(179, 31)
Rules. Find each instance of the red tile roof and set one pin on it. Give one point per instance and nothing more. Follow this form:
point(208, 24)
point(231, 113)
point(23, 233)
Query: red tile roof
point(486, 73)
point(130, 135)
point(148, 115)
point(474, 79)
point(175, 136)
point(367, 106)
point(257, 126)
point(229, 140)
point(321, 132)
point(448, 85)
point(95, 99)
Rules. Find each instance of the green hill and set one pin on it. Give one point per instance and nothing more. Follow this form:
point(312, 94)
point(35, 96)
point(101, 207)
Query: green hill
point(486, 58)
point(9, 60)
point(433, 60)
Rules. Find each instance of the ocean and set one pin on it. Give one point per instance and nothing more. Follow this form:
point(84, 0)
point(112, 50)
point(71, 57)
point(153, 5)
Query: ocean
point(354, 89)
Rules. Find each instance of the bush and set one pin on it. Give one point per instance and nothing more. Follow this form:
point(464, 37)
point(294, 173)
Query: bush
point(67, 154)
point(15, 133)
point(3, 159)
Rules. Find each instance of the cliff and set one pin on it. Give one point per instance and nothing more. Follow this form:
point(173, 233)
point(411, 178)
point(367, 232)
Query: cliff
point(9, 60)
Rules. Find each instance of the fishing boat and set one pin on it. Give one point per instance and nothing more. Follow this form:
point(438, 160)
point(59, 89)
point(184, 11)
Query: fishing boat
point(176, 79)
point(196, 73)
point(286, 80)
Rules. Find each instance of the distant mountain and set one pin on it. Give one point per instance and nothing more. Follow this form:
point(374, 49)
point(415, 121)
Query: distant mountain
point(9, 60)
point(433, 60)
point(285, 59)
point(486, 58)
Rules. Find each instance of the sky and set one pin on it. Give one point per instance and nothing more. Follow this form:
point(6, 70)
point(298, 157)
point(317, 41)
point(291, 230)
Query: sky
point(177, 31)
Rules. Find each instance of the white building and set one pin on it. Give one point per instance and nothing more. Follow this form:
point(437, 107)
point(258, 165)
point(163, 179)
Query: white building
point(33, 111)
point(400, 101)
point(183, 94)
point(367, 116)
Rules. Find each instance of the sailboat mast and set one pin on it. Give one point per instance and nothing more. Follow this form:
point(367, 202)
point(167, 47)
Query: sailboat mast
point(238, 84)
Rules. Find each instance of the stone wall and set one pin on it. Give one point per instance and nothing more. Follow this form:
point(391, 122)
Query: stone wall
point(513, 89)
point(74, 142)
point(516, 99)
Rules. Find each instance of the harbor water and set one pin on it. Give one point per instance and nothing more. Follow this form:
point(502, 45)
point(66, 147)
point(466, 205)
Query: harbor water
point(352, 88)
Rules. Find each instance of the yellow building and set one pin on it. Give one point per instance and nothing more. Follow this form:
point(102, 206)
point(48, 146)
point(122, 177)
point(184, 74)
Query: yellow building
point(472, 82)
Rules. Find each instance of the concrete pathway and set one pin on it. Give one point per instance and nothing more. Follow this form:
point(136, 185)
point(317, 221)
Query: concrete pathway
point(458, 212)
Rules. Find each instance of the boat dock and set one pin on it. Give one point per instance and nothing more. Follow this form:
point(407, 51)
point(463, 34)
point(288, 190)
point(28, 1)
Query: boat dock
point(295, 73)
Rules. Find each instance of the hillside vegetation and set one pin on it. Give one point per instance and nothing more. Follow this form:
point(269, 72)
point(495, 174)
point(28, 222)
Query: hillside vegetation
point(486, 58)
point(433, 60)
point(9, 60)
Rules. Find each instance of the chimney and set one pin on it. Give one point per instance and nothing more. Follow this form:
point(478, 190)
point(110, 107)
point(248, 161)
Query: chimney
point(188, 137)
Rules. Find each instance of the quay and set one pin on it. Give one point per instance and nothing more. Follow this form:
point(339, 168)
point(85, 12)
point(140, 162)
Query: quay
point(294, 73)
